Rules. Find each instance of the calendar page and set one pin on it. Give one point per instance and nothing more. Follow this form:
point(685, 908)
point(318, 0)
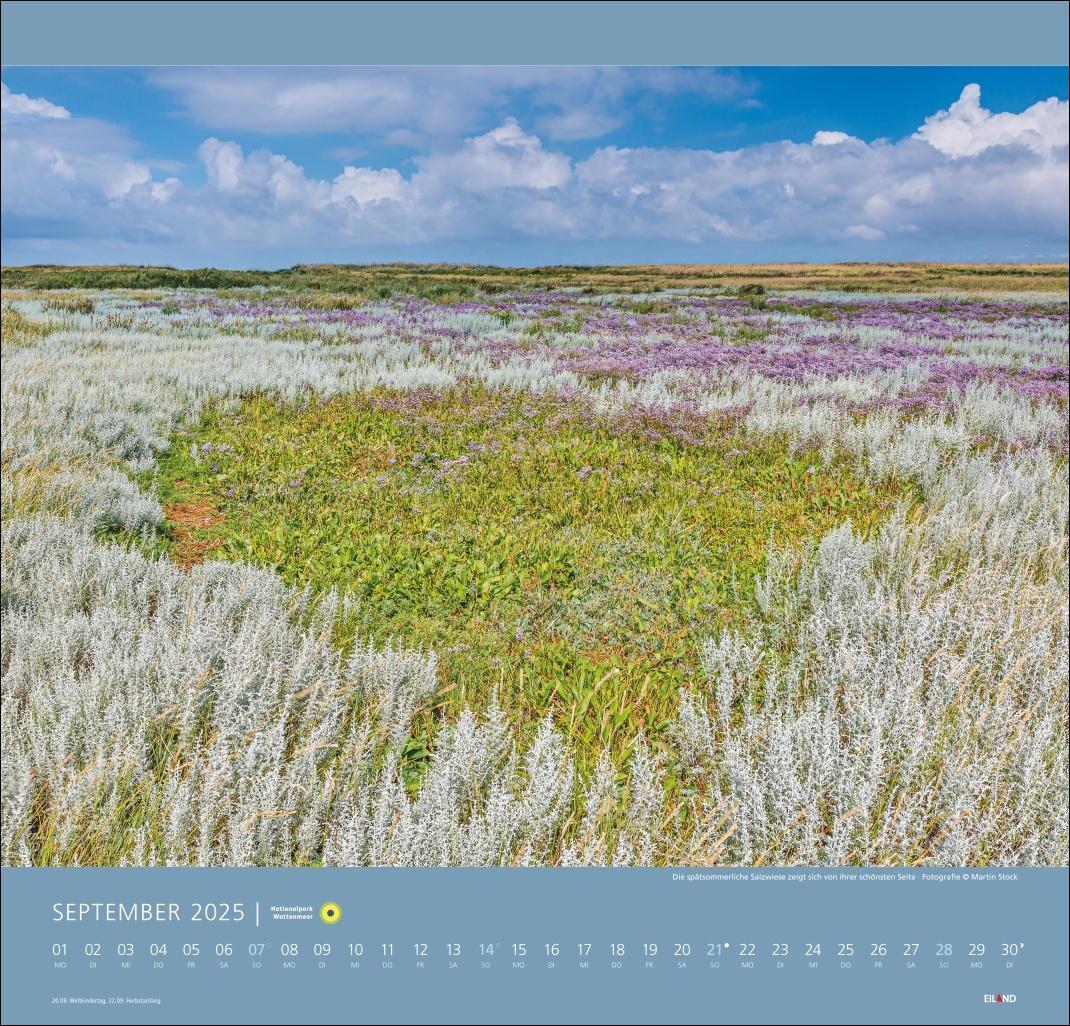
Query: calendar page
point(534, 513)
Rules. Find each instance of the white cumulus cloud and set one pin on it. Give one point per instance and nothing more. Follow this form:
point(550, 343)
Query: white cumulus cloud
point(504, 157)
point(365, 185)
point(223, 163)
point(825, 138)
point(69, 177)
point(966, 128)
point(19, 105)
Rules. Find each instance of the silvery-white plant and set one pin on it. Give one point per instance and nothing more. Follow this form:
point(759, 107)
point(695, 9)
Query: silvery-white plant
point(920, 713)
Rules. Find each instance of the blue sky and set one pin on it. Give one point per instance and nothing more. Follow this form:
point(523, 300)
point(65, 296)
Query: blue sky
point(271, 166)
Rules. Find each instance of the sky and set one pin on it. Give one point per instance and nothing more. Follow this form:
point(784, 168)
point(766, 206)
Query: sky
point(268, 167)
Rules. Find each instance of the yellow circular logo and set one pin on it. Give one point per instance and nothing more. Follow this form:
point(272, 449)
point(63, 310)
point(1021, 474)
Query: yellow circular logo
point(330, 913)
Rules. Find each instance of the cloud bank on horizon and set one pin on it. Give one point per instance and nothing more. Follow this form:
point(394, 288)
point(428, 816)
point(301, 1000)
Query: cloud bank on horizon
point(967, 182)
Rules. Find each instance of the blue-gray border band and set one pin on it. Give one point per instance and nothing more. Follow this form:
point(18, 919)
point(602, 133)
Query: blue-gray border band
point(802, 945)
point(907, 32)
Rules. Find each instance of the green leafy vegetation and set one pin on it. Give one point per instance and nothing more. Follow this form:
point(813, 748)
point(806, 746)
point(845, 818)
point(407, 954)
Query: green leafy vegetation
point(574, 565)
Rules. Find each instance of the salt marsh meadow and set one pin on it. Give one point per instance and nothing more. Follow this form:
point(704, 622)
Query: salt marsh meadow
point(443, 565)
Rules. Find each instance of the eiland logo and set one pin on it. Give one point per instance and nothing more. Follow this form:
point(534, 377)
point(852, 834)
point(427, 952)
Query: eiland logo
point(1000, 999)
